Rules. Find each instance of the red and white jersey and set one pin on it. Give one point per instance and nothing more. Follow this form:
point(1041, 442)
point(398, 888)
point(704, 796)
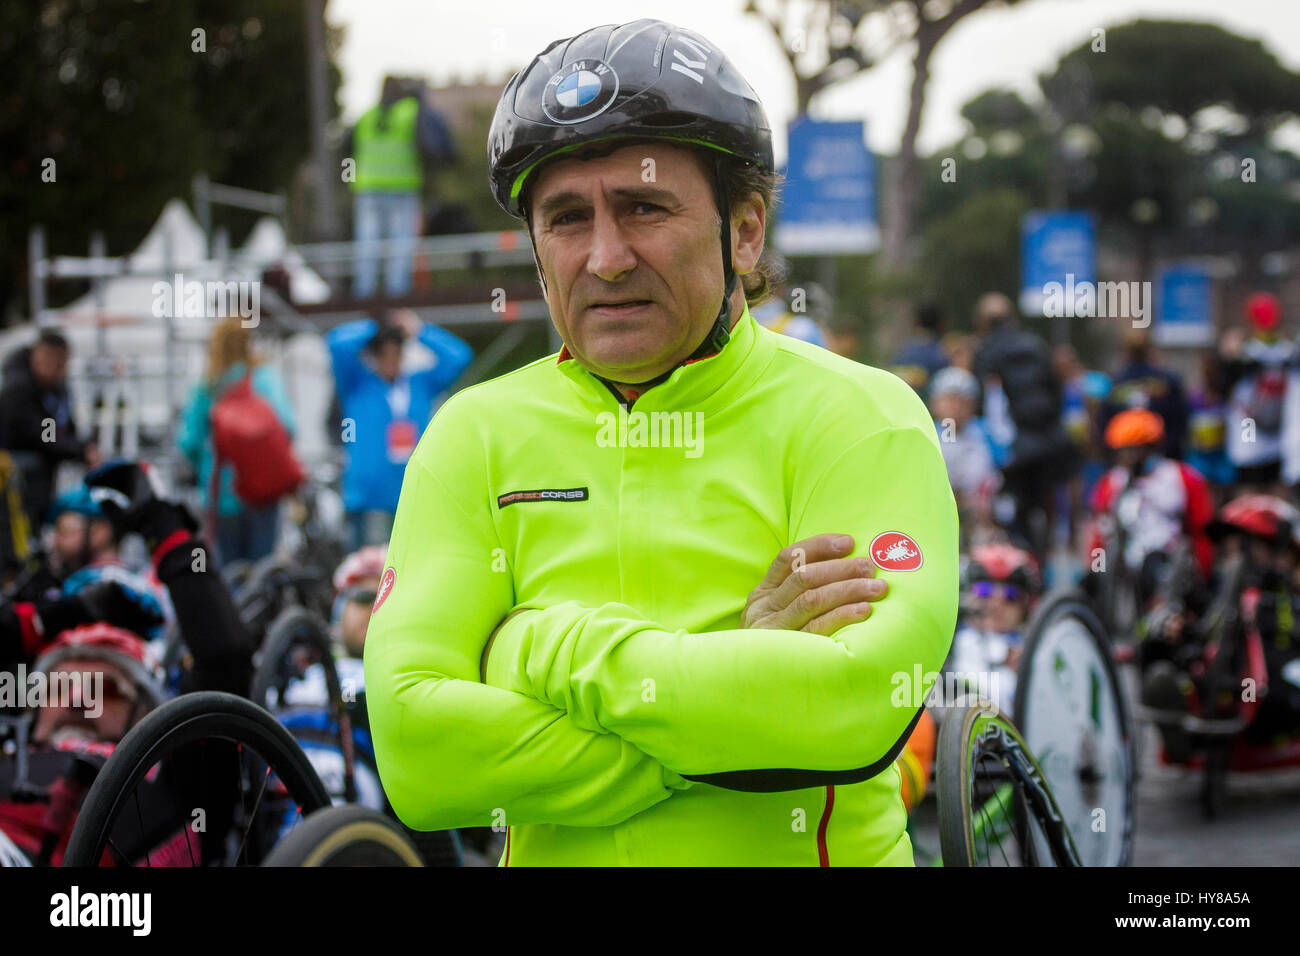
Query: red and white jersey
point(1169, 500)
point(1257, 403)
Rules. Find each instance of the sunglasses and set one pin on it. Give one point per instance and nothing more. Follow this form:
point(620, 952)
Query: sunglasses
point(364, 596)
point(987, 589)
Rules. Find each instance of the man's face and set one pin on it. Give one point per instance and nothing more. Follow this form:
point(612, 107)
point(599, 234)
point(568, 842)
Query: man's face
point(69, 536)
point(633, 268)
point(1002, 613)
point(952, 405)
point(1131, 457)
point(70, 530)
point(106, 717)
point(388, 361)
point(49, 365)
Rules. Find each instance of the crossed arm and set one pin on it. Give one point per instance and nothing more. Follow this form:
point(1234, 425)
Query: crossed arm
point(562, 731)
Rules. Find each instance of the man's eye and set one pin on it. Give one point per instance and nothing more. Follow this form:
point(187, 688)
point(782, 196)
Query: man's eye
point(565, 219)
point(648, 206)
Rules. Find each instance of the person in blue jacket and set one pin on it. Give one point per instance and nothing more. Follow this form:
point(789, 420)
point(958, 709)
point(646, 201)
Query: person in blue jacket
point(385, 410)
point(244, 533)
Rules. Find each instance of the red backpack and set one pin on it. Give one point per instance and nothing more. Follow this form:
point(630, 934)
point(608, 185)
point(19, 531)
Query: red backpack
point(250, 437)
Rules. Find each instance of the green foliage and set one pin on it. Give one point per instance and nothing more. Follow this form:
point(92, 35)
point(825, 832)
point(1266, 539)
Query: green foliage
point(1180, 67)
point(997, 109)
point(972, 250)
point(114, 92)
point(466, 180)
point(1147, 98)
point(1117, 108)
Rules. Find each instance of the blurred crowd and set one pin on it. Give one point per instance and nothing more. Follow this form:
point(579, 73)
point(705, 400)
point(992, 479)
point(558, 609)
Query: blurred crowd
point(236, 433)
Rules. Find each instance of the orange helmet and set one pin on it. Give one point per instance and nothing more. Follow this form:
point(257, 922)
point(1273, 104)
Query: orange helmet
point(1134, 427)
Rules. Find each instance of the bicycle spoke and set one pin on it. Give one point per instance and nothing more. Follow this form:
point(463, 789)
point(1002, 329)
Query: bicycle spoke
point(990, 825)
point(140, 821)
point(120, 855)
point(248, 829)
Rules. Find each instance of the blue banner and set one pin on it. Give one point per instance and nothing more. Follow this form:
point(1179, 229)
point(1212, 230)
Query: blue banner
point(1183, 306)
point(1055, 247)
point(828, 205)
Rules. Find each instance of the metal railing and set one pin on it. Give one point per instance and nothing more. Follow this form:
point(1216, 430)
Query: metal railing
point(122, 395)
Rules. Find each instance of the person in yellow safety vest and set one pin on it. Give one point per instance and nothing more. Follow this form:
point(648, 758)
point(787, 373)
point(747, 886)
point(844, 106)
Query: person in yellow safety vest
point(390, 145)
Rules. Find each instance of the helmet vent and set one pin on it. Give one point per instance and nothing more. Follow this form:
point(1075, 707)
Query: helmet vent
point(668, 120)
point(516, 156)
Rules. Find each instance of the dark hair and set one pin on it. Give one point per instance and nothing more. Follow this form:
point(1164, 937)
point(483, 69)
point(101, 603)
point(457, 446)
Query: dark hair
point(52, 339)
point(743, 181)
point(386, 334)
point(929, 316)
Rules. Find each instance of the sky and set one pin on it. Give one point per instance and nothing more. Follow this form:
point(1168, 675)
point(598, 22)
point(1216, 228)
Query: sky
point(1004, 47)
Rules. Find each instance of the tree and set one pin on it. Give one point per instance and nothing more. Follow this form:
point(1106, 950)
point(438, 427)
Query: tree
point(834, 38)
point(1160, 163)
point(129, 101)
point(1176, 108)
point(974, 249)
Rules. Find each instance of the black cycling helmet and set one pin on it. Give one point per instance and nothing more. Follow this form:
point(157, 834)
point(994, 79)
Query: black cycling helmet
point(645, 80)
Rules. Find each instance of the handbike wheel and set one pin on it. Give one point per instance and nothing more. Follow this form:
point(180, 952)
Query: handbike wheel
point(345, 836)
point(1070, 709)
point(294, 626)
point(994, 803)
point(207, 715)
point(297, 627)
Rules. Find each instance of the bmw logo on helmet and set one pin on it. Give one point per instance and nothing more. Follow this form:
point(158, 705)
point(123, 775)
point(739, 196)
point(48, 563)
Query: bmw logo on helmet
point(583, 89)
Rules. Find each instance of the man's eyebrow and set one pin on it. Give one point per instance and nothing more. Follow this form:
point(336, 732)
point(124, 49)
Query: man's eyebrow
point(551, 203)
point(653, 194)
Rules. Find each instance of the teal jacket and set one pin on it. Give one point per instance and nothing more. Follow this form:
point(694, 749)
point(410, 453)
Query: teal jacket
point(195, 439)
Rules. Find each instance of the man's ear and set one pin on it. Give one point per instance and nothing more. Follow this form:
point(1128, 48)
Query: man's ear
point(748, 228)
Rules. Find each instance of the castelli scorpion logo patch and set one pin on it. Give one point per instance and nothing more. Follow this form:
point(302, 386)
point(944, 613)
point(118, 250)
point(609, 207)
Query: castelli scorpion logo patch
point(385, 588)
point(895, 551)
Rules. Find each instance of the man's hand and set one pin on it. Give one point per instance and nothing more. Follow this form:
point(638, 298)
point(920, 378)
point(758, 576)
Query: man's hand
point(407, 321)
point(812, 587)
point(126, 496)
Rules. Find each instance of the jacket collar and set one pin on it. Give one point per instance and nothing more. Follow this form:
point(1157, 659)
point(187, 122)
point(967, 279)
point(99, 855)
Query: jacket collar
point(701, 384)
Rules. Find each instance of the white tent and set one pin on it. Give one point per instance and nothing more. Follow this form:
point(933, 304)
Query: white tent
point(267, 245)
point(134, 363)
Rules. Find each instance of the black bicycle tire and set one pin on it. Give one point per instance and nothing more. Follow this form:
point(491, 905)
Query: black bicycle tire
point(952, 760)
point(1053, 607)
point(280, 636)
point(348, 835)
point(952, 757)
point(182, 720)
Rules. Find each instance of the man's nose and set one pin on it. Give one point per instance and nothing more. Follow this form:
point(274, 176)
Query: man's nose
point(611, 257)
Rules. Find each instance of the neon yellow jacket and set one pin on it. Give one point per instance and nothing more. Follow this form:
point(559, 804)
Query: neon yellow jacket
point(626, 719)
point(388, 159)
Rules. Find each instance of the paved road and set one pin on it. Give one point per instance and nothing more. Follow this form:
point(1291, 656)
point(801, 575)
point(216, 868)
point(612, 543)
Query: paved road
point(1258, 826)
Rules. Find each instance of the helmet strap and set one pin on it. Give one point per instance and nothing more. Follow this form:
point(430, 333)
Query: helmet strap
point(528, 226)
point(720, 334)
